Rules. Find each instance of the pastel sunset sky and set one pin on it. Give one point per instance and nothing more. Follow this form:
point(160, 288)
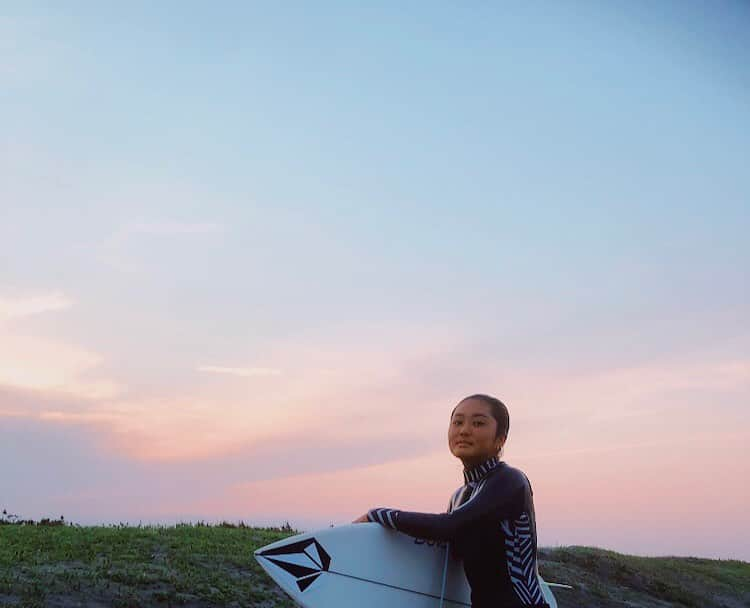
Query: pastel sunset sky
point(251, 256)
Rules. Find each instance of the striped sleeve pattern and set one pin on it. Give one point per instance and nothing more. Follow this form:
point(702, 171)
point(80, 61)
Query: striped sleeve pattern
point(384, 517)
point(521, 560)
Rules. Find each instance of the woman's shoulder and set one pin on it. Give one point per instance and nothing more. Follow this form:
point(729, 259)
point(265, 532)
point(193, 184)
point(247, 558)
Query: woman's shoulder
point(508, 475)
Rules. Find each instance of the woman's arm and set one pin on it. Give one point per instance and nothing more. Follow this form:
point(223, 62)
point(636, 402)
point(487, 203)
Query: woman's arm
point(497, 496)
point(363, 519)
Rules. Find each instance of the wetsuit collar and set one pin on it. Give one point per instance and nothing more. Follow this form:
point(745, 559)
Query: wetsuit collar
point(479, 471)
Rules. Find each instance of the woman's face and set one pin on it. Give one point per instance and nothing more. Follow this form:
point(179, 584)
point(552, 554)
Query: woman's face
point(471, 434)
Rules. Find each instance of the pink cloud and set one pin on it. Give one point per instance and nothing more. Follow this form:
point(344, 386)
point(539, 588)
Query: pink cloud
point(19, 307)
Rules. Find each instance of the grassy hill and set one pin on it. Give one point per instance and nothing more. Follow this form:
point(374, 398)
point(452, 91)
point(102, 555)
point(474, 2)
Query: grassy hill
point(611, 580)
point(54, 564)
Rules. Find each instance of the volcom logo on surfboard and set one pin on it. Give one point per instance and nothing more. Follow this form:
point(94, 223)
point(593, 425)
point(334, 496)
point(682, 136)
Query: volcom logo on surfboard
point(304, 560)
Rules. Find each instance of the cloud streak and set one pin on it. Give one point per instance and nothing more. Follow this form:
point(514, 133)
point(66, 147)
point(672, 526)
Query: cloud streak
point(19, 307)
point(117, 249)
point(244, 372)
point(39, 363)
point(170, 227)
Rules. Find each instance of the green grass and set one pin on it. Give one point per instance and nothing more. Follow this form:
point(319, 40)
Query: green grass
point(618, 579)
point(187, 565)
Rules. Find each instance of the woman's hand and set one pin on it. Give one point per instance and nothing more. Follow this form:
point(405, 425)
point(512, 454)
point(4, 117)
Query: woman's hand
point(362, 519)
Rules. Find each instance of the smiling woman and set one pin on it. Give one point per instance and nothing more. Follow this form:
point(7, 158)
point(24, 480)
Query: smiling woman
point(490, 520)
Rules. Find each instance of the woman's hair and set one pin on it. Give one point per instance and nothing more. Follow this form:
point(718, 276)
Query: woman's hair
point(497, 409)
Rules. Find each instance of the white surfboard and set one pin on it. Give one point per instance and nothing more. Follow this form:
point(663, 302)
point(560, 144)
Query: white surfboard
point(367, 566)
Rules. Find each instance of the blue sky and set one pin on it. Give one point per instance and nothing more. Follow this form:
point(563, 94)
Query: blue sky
point(209, 210)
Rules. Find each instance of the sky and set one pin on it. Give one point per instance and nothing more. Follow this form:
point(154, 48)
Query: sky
point(252, 255)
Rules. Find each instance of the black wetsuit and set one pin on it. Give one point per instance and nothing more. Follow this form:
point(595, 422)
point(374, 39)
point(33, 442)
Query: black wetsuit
point(490, 525)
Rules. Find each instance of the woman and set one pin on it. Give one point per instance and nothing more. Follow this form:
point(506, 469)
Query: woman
point(490, 520)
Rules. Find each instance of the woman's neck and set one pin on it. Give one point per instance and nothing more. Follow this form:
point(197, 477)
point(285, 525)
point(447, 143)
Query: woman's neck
point(476, 469)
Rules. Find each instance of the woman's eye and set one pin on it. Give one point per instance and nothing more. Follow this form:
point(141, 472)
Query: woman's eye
point(479, 424)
